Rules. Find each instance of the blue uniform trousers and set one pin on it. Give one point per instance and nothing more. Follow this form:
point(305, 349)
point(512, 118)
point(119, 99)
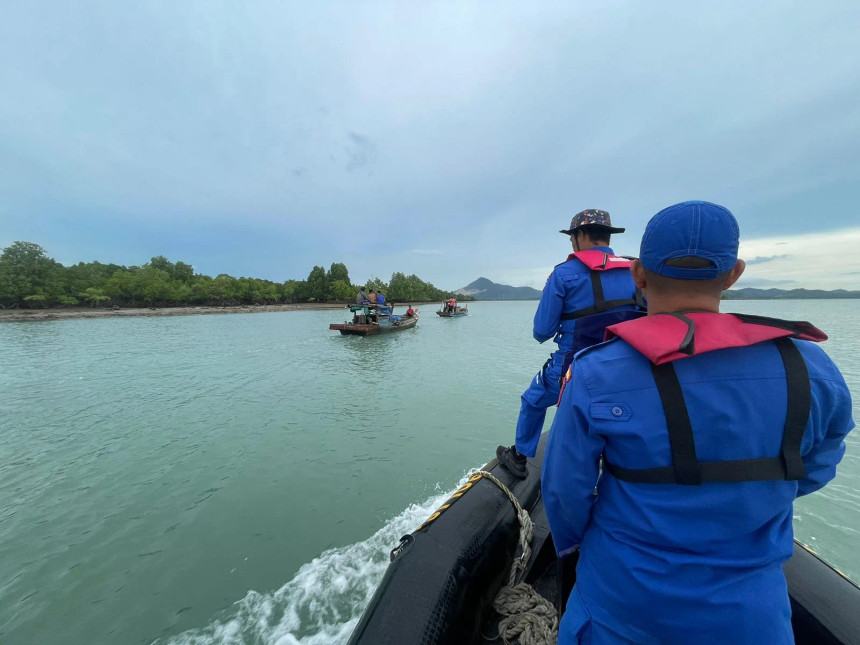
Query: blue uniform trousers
point(541, 394)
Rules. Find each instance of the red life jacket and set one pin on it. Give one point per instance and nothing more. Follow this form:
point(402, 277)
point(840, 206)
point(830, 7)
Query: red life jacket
point(598, 261)
point(664, 338)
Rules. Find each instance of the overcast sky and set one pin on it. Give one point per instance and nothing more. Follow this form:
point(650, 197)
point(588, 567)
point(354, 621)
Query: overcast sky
point(450, 140)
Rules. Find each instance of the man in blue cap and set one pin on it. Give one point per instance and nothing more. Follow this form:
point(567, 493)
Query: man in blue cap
point(708, 426)
point(584, 294)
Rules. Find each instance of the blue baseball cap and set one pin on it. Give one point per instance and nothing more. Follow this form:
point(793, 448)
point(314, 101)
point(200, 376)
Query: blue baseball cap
point(699, 229)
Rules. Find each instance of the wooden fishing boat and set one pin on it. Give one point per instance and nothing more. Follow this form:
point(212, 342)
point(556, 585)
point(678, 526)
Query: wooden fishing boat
point(368, 320)
point(444, 577)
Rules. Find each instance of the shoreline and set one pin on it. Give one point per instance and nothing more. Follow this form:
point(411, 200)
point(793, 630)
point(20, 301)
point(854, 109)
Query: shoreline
point(76, 313)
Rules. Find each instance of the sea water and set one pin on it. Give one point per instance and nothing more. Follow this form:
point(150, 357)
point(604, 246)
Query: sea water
point(241, 479)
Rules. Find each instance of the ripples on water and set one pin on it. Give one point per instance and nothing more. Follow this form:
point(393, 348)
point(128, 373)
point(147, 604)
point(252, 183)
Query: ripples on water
point(324, 599)
point(156, 471)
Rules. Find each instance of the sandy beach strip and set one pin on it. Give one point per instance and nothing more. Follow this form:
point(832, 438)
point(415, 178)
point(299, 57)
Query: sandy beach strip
point(20, 315)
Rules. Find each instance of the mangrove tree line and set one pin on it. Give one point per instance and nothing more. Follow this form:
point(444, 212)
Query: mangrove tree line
point(29, 278)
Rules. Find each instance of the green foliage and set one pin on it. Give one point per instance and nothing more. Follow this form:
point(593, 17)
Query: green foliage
point(200, 289)
point(25, 271)
point(36, 298)
point(124, 285)
point(317, 285)
point(161, 263)
point(93, 295)
point(376, 284)
point(180, 271)
point(341, 291)
point(337, 272)
point(411, 288)
point(154, 285)
point(82, 276)
point(183, 272)
point(224, 288)
point(28, 277)
point(291, 289)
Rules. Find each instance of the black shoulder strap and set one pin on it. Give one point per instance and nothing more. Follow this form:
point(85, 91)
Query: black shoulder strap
point(799, 402)
point(600, 303)
point(684, 463)
point(686, 469)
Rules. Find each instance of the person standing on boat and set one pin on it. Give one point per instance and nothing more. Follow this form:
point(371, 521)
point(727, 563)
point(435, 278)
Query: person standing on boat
point(708, 426)
point(361, 298)
point(584, 294)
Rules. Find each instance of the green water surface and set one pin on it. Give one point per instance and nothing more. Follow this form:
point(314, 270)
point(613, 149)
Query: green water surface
point(154, 471)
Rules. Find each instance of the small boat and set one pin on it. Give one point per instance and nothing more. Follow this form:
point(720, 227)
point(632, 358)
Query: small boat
point(450, 309)
point(457, 311)
point(444, 577)
point(369, 320)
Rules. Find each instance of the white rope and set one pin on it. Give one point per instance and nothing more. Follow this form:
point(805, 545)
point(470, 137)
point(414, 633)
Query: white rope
point(528, 617)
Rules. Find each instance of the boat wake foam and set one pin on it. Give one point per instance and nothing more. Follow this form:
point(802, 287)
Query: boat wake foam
point(323, 602)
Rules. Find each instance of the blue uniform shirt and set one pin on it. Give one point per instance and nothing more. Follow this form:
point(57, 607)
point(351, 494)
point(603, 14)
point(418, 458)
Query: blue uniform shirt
point(567, 289)
point(666, 563)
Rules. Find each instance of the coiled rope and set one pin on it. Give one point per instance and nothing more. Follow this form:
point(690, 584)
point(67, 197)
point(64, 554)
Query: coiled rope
point(529, 618)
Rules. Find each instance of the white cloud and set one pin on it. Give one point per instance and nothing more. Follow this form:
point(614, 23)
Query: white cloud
point(827, 260)
point(250, 125)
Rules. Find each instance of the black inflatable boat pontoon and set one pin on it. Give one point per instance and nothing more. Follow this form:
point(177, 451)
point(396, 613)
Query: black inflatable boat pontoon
point(443, 577)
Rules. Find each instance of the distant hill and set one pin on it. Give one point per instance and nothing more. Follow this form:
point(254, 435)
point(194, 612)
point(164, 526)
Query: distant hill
point(484, 289)
point(787, 294)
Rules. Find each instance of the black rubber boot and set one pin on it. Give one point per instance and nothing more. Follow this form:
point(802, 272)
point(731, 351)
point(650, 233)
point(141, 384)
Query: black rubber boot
point(513, 461)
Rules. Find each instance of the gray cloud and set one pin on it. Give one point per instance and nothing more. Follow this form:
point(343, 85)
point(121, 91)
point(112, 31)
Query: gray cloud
point(289, 131)
point(360, 151)
point(763, 259)
point(763, 282)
